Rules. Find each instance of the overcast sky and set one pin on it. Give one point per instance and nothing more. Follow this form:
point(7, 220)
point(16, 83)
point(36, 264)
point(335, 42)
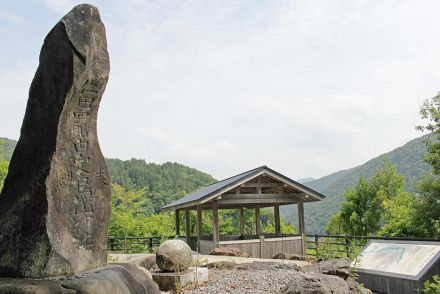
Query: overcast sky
point(305, 87)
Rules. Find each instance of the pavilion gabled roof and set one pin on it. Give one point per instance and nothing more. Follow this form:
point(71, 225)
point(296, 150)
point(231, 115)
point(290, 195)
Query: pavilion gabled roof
point(216, 189)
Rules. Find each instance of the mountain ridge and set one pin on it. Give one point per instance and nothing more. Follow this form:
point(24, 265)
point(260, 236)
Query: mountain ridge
point(177, 179)
point(407, 158)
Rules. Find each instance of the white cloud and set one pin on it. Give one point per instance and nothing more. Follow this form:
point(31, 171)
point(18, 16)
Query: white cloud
point(61, 6)
point(14, 18)
point(305, 87)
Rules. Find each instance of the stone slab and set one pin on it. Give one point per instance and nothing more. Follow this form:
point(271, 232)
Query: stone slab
point(170, 281)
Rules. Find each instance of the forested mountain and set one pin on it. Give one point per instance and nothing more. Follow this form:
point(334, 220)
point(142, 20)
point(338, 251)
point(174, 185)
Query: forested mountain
point(169, 181)
point(164, 182)
point(408, 160)
point(7, 147)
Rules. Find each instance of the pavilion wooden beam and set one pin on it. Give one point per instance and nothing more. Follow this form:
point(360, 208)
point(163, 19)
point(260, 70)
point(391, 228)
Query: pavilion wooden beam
point(263, 185)
point(215, 226)
point(302, 229)
point(187, 227)
point(277, 219)
point(199, 226)
point(268, 195)
point(257, 222)
point(177, 222)
point(257, 201)
point(241, 221)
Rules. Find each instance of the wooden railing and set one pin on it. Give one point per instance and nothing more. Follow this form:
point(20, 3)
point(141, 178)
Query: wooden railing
point(324, 246)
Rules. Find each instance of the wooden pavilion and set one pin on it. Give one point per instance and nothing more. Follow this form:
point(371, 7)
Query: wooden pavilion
point(255, 189)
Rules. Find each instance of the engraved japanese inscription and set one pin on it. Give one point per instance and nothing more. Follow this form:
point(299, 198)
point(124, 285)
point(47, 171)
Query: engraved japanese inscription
point(56, 200)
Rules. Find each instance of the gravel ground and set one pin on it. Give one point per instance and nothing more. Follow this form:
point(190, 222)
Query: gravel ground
point(252, 278)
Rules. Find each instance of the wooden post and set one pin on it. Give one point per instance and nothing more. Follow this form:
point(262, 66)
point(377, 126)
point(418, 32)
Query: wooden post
point(302, 229)
point(187, 227)
point(257, 221)
point(177, 223)
point(277, 219)
point(215, 227)
point(241, 221)
point(199, 226)
point(262, 248)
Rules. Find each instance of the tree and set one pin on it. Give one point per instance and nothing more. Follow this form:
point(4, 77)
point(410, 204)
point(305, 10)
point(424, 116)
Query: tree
point(381, 204)
point(427, 207)
point(334, 225)
point(129, 210)
point(427, 202)
point(4, 165)
point(430, 111)
point(361, 213)
point(387, 181)
point(398, 216)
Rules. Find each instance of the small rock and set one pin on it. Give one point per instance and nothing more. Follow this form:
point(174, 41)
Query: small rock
point(221, 265)
point(289, 256)
point(337, 267)
point(317, 283)
point(229, 252)
point(174, 255)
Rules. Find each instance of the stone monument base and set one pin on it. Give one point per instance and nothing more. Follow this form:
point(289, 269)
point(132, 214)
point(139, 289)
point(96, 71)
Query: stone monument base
point(172, 280)
point(121, 278)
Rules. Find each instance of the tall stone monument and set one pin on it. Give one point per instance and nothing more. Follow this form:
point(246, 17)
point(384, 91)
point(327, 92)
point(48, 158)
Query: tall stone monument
point(56, 200)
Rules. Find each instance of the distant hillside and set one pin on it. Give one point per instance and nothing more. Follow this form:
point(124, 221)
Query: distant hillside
point(169, 181)
point(408, 160)
point(305, 180)
point(165, 182)
point(7, 147)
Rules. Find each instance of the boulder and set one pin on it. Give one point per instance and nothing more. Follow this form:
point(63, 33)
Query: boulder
point(116, 279)
point(337, 267)
point(174, 256)
point(289, 256)
point(229, 252)
point(317, 283)
point(56, 200)
point(123, 278)
point(149, 262)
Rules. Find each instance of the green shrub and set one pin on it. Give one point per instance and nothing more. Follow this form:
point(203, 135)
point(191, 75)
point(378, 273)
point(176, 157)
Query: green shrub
point(432, 287)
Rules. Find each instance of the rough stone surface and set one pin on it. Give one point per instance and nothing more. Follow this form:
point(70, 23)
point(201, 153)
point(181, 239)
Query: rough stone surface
point(337, 267)
point(222, 265)
point(115, 279)
point(228, 252)
point(149, 262)
point(173, 281)
point(26, 286)
point(256, 278)
point(123, 278)
point(289, 256)
point(317, 283)
point(56, 200)
point(173, 255)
